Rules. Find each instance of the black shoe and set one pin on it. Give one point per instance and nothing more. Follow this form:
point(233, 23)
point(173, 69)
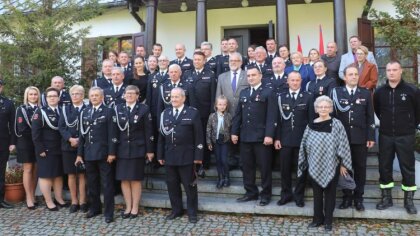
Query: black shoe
point(31, 207)
point(264, 202)
point(172, 216)
point(133, 216)
point(36, 204)
point(125, 215)
point(91, 214)
point(284, 200)
point(246, 198)
point(6, 205)
point(386, 199)
point(408, 202)
point(345, 204)
point(226, 182)
point(192, 219)
point(359, 206)
point(314, 224)
point(84, 208)
point(328, 227)
point(300, 203)
point(52, 209)
point(65, 204)
point(108, 220)
point(220, 183)
point(74, 208)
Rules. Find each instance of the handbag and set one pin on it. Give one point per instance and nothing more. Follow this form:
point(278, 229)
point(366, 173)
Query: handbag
point(346, 182)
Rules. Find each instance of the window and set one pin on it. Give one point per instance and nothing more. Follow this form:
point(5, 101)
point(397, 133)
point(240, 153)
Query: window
point(118, 44)
point(384, 53)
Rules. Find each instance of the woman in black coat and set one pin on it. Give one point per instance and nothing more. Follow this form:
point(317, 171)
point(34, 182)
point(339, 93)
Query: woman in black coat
point(135, 135)
point(69, 130)
point(47, 141)
point(25, 146)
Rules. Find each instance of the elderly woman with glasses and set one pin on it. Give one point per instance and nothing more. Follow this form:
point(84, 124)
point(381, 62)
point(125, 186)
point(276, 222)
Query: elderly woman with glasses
point(324, 153)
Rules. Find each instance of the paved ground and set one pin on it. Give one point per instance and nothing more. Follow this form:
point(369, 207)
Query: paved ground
point(20, 221)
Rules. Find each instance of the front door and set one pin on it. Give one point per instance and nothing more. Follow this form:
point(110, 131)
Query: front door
point(248, 36)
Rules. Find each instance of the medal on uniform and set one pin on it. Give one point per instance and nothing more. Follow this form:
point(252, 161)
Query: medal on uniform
point(287, 108)
point(300, 95)
point(357, 101)
point(136, 117)
point(245, 100)
point(154, 85)
point(257, 98)
point(94, 123)
point(346, 102)
point(403, 98)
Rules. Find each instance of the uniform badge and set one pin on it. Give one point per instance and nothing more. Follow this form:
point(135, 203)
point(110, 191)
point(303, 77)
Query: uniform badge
point(94, 123)
point(245, 100)
point(154, 85)
point(114, 119)
point(152, 138)
point(20, 120)
point(346, 102)
point(200, 146)
point(114, 140)
point(300, 95)
point(287, 108)
point(357, 101)
point(403, 96)
point(257, 98)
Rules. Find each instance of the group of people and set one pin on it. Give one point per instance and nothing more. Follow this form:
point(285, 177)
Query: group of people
point(316, 118)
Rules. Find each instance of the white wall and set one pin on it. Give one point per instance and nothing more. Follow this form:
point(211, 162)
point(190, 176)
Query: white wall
point(173, 28)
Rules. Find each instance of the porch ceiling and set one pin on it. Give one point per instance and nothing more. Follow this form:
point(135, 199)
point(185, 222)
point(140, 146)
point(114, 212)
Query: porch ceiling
point(169, 6)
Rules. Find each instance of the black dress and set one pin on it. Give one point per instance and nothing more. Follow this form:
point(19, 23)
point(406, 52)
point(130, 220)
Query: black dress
point(47, 139)
point(68, 126)
point(23, 129)
point(135, 135)
point(141, 83)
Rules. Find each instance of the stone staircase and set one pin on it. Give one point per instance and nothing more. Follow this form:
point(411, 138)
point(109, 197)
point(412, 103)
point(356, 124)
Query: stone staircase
point(224, 200)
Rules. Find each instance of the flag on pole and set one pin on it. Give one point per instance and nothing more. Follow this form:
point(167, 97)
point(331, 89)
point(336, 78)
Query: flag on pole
point(321, 41)
point(299, 47)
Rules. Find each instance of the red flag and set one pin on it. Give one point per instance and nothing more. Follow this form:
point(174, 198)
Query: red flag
point(321, 41)
point(299, 47)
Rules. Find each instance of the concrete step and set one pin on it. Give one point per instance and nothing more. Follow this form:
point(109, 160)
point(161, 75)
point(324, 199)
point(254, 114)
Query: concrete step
point(207, 187)
point(229, 205)
point(372, 175)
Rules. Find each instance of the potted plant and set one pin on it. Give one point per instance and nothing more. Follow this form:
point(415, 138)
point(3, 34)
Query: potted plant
point(13, 188)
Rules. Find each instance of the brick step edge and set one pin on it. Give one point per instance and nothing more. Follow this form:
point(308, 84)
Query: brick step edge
point(229, 205)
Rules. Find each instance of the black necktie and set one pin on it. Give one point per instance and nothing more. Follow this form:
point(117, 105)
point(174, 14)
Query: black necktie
point(56, 112)
point(278, 77)
point(117, 89)
point(162, 74)
point(351, 94)
point(179, 62)
point(77, 109)
point(253, 92)
point(110, 81)
point(317, 80)
point(293, 97)
point(270, 56)
point(174, 85)
point(176, 114)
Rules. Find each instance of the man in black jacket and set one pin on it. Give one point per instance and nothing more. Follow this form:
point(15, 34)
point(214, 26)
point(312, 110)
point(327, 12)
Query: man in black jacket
point(254, 125)
point(7, 139)
point(180, 146)
point(397, 105)
point(353, 106)
point(97, 149)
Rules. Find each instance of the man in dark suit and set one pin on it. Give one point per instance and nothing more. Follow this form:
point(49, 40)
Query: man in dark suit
point(57, 82)
point(97, 149)
point(222, 60)
point(184, 62)
point(295, 111)
point(333, 61)
point(180, 146)
point(202, 93)
point(125, 63)
point(211, 63)
point(278, 81)
point(353, 106)
point(7, 139)
point(157, 50)
point(271, 46)
point(174, 81)
point(114, 94)
point(260, 56)
point(284, 53)
point(254, 125)
point(105, 81)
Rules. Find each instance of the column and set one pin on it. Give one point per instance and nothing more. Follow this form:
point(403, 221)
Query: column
point(201, 22)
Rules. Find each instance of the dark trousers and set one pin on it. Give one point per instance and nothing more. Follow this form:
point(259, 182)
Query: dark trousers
point(221, 151)
point(234, 159)
point(358, 158)
point(206, 151)
point(324, 200)
point(4, 157)
point(98, 172)
point(175, 175)
point(288, 164)
point(404, 147)
point(251, 155)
